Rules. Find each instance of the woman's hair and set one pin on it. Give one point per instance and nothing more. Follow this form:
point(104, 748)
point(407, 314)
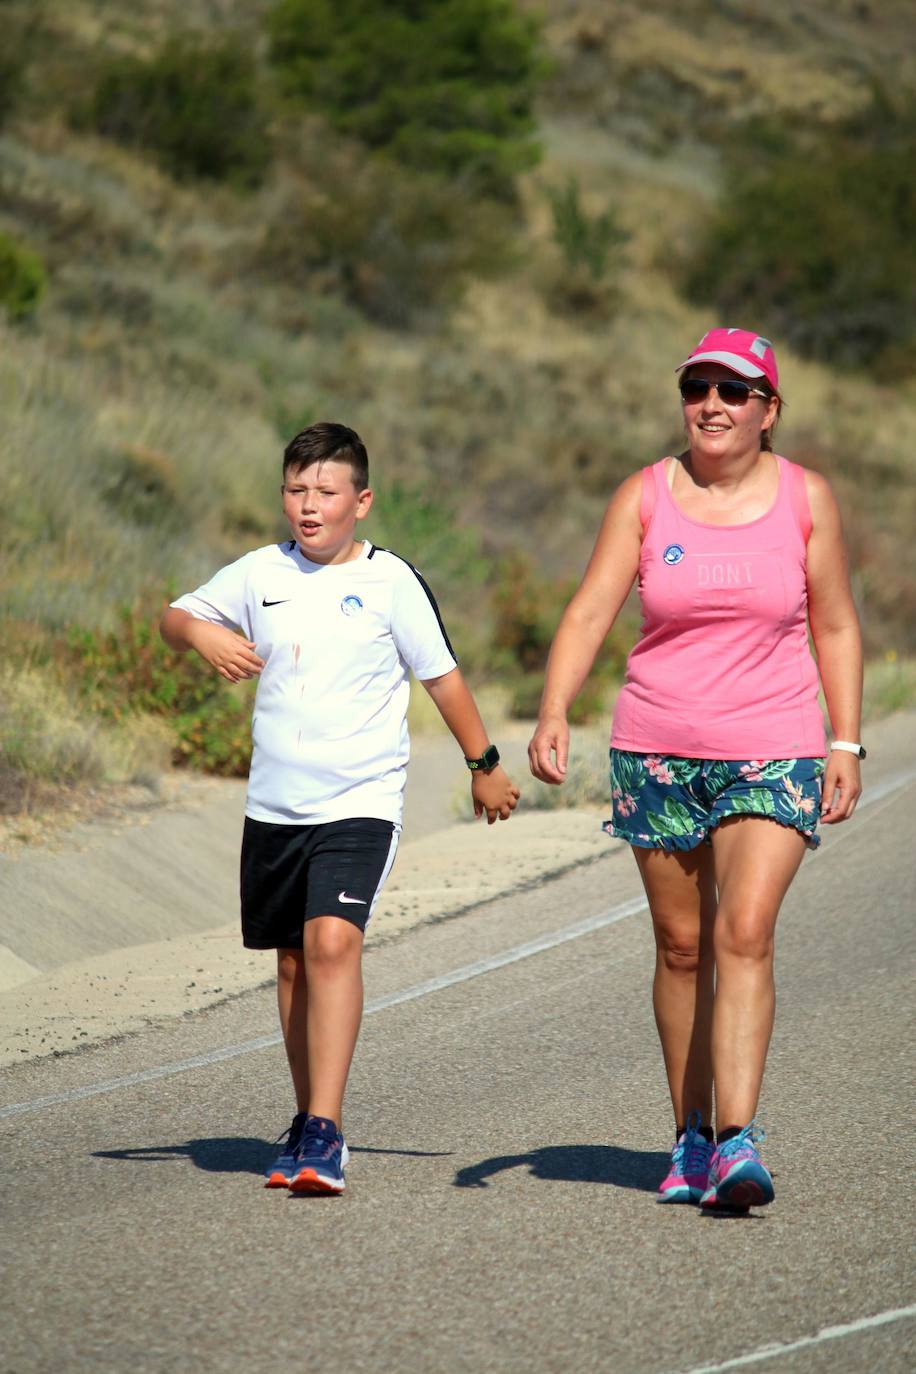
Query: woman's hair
point(766, 435)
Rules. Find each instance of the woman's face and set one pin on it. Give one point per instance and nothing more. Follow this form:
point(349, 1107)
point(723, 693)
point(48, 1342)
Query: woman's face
point(718, 430)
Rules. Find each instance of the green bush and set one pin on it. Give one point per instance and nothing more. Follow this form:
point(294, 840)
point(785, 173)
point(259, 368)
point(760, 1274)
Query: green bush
point(195, 106)
point(398, 245)
point(813, 241)
point(12, 80)
point(586, 283)
point(23, 280)
point(527, 608)
point(143, 488)
point(130, 671)
point(420, 524)
point(442, 85)
point(587, 242)
point(25, 35)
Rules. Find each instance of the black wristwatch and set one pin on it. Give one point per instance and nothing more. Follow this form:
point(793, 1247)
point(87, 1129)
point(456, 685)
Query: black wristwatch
point(488, 759)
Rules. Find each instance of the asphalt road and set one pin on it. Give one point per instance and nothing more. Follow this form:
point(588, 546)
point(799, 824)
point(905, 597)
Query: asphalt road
point(507, 1130)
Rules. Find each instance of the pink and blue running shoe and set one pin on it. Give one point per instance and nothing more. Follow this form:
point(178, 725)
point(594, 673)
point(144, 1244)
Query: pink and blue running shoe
point(321, 1158)
point(687, 1178)
point(738, 1177)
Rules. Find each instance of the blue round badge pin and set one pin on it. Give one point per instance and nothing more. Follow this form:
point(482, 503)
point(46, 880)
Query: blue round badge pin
point(351, 605)
point(673, 554)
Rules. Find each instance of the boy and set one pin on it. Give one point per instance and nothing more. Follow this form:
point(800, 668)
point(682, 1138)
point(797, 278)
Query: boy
point(332, 625)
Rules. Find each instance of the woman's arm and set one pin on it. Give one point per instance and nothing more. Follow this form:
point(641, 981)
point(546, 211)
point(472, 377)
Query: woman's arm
point(585, 624)
point(838, 645)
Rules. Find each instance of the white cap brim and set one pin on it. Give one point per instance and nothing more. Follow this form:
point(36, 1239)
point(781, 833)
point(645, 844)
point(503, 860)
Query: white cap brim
point(729, 360)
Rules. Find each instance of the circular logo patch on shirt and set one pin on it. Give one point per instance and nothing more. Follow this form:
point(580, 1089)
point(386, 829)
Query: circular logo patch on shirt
point(351, 605)
point(673, 554)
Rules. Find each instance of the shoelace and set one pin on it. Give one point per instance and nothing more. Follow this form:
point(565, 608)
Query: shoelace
point(692, 1152)
point(748, 1139)
point(291, 1137)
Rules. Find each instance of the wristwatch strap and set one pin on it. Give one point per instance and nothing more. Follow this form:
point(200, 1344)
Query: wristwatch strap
point(848, 747)
point(488, 759)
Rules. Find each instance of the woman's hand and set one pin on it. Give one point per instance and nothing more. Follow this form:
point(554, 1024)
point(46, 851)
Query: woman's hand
point(548, 752)
point(842, 787)
point(495, 793)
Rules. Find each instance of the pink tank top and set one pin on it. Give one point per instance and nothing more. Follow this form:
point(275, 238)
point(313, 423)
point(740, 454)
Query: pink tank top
point(722, 668)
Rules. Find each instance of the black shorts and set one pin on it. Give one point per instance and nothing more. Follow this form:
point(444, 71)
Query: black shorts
point(292, 873)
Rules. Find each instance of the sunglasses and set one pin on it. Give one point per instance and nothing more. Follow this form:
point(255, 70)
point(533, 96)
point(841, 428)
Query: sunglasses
point(731, 392)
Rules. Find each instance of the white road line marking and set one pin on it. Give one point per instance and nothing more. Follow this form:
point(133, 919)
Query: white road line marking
point(394, 999)
point(828, 1333)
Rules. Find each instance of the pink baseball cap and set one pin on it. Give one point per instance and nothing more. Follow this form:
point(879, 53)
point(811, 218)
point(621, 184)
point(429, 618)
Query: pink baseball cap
point(739, 349)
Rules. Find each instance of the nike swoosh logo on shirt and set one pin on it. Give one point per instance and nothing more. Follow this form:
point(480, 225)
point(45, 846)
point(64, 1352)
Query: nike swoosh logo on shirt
point(282, 602)
point(342, 897)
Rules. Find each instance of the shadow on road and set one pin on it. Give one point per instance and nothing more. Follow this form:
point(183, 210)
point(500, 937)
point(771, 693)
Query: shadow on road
point(230, 1154)
point(640, 1169)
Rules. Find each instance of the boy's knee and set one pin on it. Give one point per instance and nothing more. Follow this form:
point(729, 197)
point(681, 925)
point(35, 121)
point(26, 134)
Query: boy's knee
point(331, 942)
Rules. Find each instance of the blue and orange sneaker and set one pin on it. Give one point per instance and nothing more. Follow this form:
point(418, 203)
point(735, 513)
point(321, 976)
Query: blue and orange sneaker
point(284, 1166)
point(321, 1158)
point(687, 1178)
point(737, 1175)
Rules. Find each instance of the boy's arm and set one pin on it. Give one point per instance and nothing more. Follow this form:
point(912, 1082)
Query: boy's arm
point(493, 790)
point(233, 657)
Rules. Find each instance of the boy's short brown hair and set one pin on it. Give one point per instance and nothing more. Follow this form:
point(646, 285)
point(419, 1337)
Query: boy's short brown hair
point(321, 443)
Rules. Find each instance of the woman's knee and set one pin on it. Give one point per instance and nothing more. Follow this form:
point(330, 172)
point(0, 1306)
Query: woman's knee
point(679, 947)
point(745, 935)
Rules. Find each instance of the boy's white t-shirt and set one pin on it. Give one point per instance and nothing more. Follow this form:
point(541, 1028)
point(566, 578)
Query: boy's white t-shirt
point(329, 726)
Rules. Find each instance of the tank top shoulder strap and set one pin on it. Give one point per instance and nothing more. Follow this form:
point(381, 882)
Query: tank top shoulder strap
point(651, 476)
point(798, 496)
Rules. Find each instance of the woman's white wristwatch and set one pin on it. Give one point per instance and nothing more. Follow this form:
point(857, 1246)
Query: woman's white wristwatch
point(848, 748)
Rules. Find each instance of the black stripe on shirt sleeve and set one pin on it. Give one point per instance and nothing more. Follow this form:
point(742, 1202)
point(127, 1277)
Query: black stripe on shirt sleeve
point(432, 600)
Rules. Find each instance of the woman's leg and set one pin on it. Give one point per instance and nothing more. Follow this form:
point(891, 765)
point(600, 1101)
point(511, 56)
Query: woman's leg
point(681, 890)
point(333, 974)
point(292, 1003)
point(755, 861)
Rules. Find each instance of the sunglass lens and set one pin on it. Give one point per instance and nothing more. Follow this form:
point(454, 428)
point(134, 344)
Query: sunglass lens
point(733, 393)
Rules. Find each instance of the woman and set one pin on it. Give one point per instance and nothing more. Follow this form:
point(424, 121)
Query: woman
point(718, 745)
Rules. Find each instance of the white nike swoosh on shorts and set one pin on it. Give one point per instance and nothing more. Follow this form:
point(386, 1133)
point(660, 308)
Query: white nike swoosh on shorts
point(342, 897)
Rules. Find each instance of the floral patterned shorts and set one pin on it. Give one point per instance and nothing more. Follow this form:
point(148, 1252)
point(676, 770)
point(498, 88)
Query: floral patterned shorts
point(663, 802)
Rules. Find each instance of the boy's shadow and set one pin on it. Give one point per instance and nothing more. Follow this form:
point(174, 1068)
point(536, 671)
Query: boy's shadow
point(640, 1169)
point(231, 1154)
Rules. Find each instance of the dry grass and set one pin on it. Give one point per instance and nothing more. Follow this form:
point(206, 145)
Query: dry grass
point(47, 742)
point(144, 409)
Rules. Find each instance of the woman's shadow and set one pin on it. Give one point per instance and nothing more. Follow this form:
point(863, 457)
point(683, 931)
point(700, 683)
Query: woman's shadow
point(639, 1169)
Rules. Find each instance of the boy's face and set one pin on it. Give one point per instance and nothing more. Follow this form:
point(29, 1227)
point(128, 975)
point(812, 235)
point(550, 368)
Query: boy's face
point(322, 507)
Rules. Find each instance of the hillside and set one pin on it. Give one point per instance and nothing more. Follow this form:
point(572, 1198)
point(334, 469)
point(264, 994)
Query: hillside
point(180, 340)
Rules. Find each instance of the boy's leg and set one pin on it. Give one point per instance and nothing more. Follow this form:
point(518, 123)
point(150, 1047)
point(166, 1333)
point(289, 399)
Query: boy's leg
point(334, 1007)
point(349, 863)
point(292, 1004)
